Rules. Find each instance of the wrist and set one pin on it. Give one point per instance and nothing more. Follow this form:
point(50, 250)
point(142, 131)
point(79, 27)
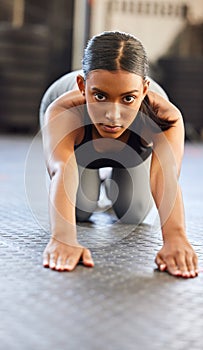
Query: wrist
point(173, 231)
point(75, 244)
point(69, 237)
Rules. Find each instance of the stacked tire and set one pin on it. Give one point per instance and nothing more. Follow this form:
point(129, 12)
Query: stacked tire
point(182, 78)
point(23, 76)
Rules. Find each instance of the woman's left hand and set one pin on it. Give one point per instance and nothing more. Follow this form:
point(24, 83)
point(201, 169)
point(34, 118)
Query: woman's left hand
point(178, 258)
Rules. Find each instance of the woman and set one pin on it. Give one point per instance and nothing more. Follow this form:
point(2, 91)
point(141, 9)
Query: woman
point(113, 120)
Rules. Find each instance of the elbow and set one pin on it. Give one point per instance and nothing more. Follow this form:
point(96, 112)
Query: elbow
point(56, 169)
point(66, 174)
point(163, 178)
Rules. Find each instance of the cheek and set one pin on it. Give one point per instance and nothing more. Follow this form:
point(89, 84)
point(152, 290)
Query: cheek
point(92, 110)
point(97, 110)
point(128, 114)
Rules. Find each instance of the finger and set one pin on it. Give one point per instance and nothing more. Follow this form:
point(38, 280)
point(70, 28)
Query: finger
point(192, 264)
point(87, 258)
point(185, 265)
point(46, 260)
point(71, 263)
point(160, 263)
point(172, 267)
point(60, 263)
point(52, 261)
point(195, 262)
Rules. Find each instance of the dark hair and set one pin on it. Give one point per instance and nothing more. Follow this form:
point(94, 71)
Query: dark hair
point(116, 50)
point(113, 51)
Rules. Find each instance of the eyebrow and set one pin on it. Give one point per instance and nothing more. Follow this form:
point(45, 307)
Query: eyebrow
point(105, 93)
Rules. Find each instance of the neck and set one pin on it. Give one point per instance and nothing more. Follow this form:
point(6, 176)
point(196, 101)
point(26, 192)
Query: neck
point(102, 144)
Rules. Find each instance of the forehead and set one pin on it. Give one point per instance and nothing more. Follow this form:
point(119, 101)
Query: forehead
point(118, 80)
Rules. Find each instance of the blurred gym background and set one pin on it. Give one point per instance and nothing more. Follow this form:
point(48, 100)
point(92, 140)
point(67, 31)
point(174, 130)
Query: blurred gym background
point(40, 40)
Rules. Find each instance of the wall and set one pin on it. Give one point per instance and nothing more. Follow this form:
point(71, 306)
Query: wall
point(155, 23)
point(79, 24)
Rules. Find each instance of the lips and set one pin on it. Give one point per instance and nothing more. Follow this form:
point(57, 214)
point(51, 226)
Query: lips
point(110, 128)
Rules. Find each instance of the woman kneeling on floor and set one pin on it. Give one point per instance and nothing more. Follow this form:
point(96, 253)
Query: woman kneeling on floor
point(111, 118)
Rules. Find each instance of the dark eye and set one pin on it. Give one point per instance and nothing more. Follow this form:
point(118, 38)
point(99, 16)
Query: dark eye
point(129, 99)
point(99, 97)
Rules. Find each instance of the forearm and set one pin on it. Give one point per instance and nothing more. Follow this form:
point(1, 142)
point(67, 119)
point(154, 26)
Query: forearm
point(62, 199)
point(177, 255)
point(171, 211)
point(168, 198)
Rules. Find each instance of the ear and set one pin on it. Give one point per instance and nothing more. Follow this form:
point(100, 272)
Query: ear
point(81, 84)
point(146, 87)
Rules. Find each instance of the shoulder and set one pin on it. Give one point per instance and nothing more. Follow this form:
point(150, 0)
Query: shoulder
point(164, 108)
point(163, 118)
point(64, 120)
point(66, 108)
point(173, 137)
point(68, 100)
point(155, 87)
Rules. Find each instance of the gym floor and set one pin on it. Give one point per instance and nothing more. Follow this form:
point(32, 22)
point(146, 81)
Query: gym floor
point(123, 303)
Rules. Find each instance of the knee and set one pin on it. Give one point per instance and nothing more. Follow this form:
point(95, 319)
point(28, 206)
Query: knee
point(82, 216)
point(134, 214)
point(85, 208)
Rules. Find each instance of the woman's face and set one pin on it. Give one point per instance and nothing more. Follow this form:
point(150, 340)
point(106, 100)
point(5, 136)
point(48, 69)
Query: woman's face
point(113, 100)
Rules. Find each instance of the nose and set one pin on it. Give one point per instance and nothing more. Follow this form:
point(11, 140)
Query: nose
point(113, 113)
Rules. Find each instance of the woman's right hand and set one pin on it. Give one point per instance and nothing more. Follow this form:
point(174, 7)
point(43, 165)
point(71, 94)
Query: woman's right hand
point(63, 257)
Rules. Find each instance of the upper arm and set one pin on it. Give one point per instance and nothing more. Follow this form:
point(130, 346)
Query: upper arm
point(168, 146)
point(62, 123)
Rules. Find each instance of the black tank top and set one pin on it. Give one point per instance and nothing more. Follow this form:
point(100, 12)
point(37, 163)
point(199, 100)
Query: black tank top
point(131, 154)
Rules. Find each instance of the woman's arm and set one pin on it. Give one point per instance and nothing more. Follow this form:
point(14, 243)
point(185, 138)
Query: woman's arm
point(60, 133)
point(177, 255)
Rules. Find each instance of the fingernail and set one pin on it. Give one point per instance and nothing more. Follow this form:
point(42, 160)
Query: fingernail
point(162, 267)
point(186, 274)
point(177, 272)
point(192, 273)
point(89, 261)
point(69, 267)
